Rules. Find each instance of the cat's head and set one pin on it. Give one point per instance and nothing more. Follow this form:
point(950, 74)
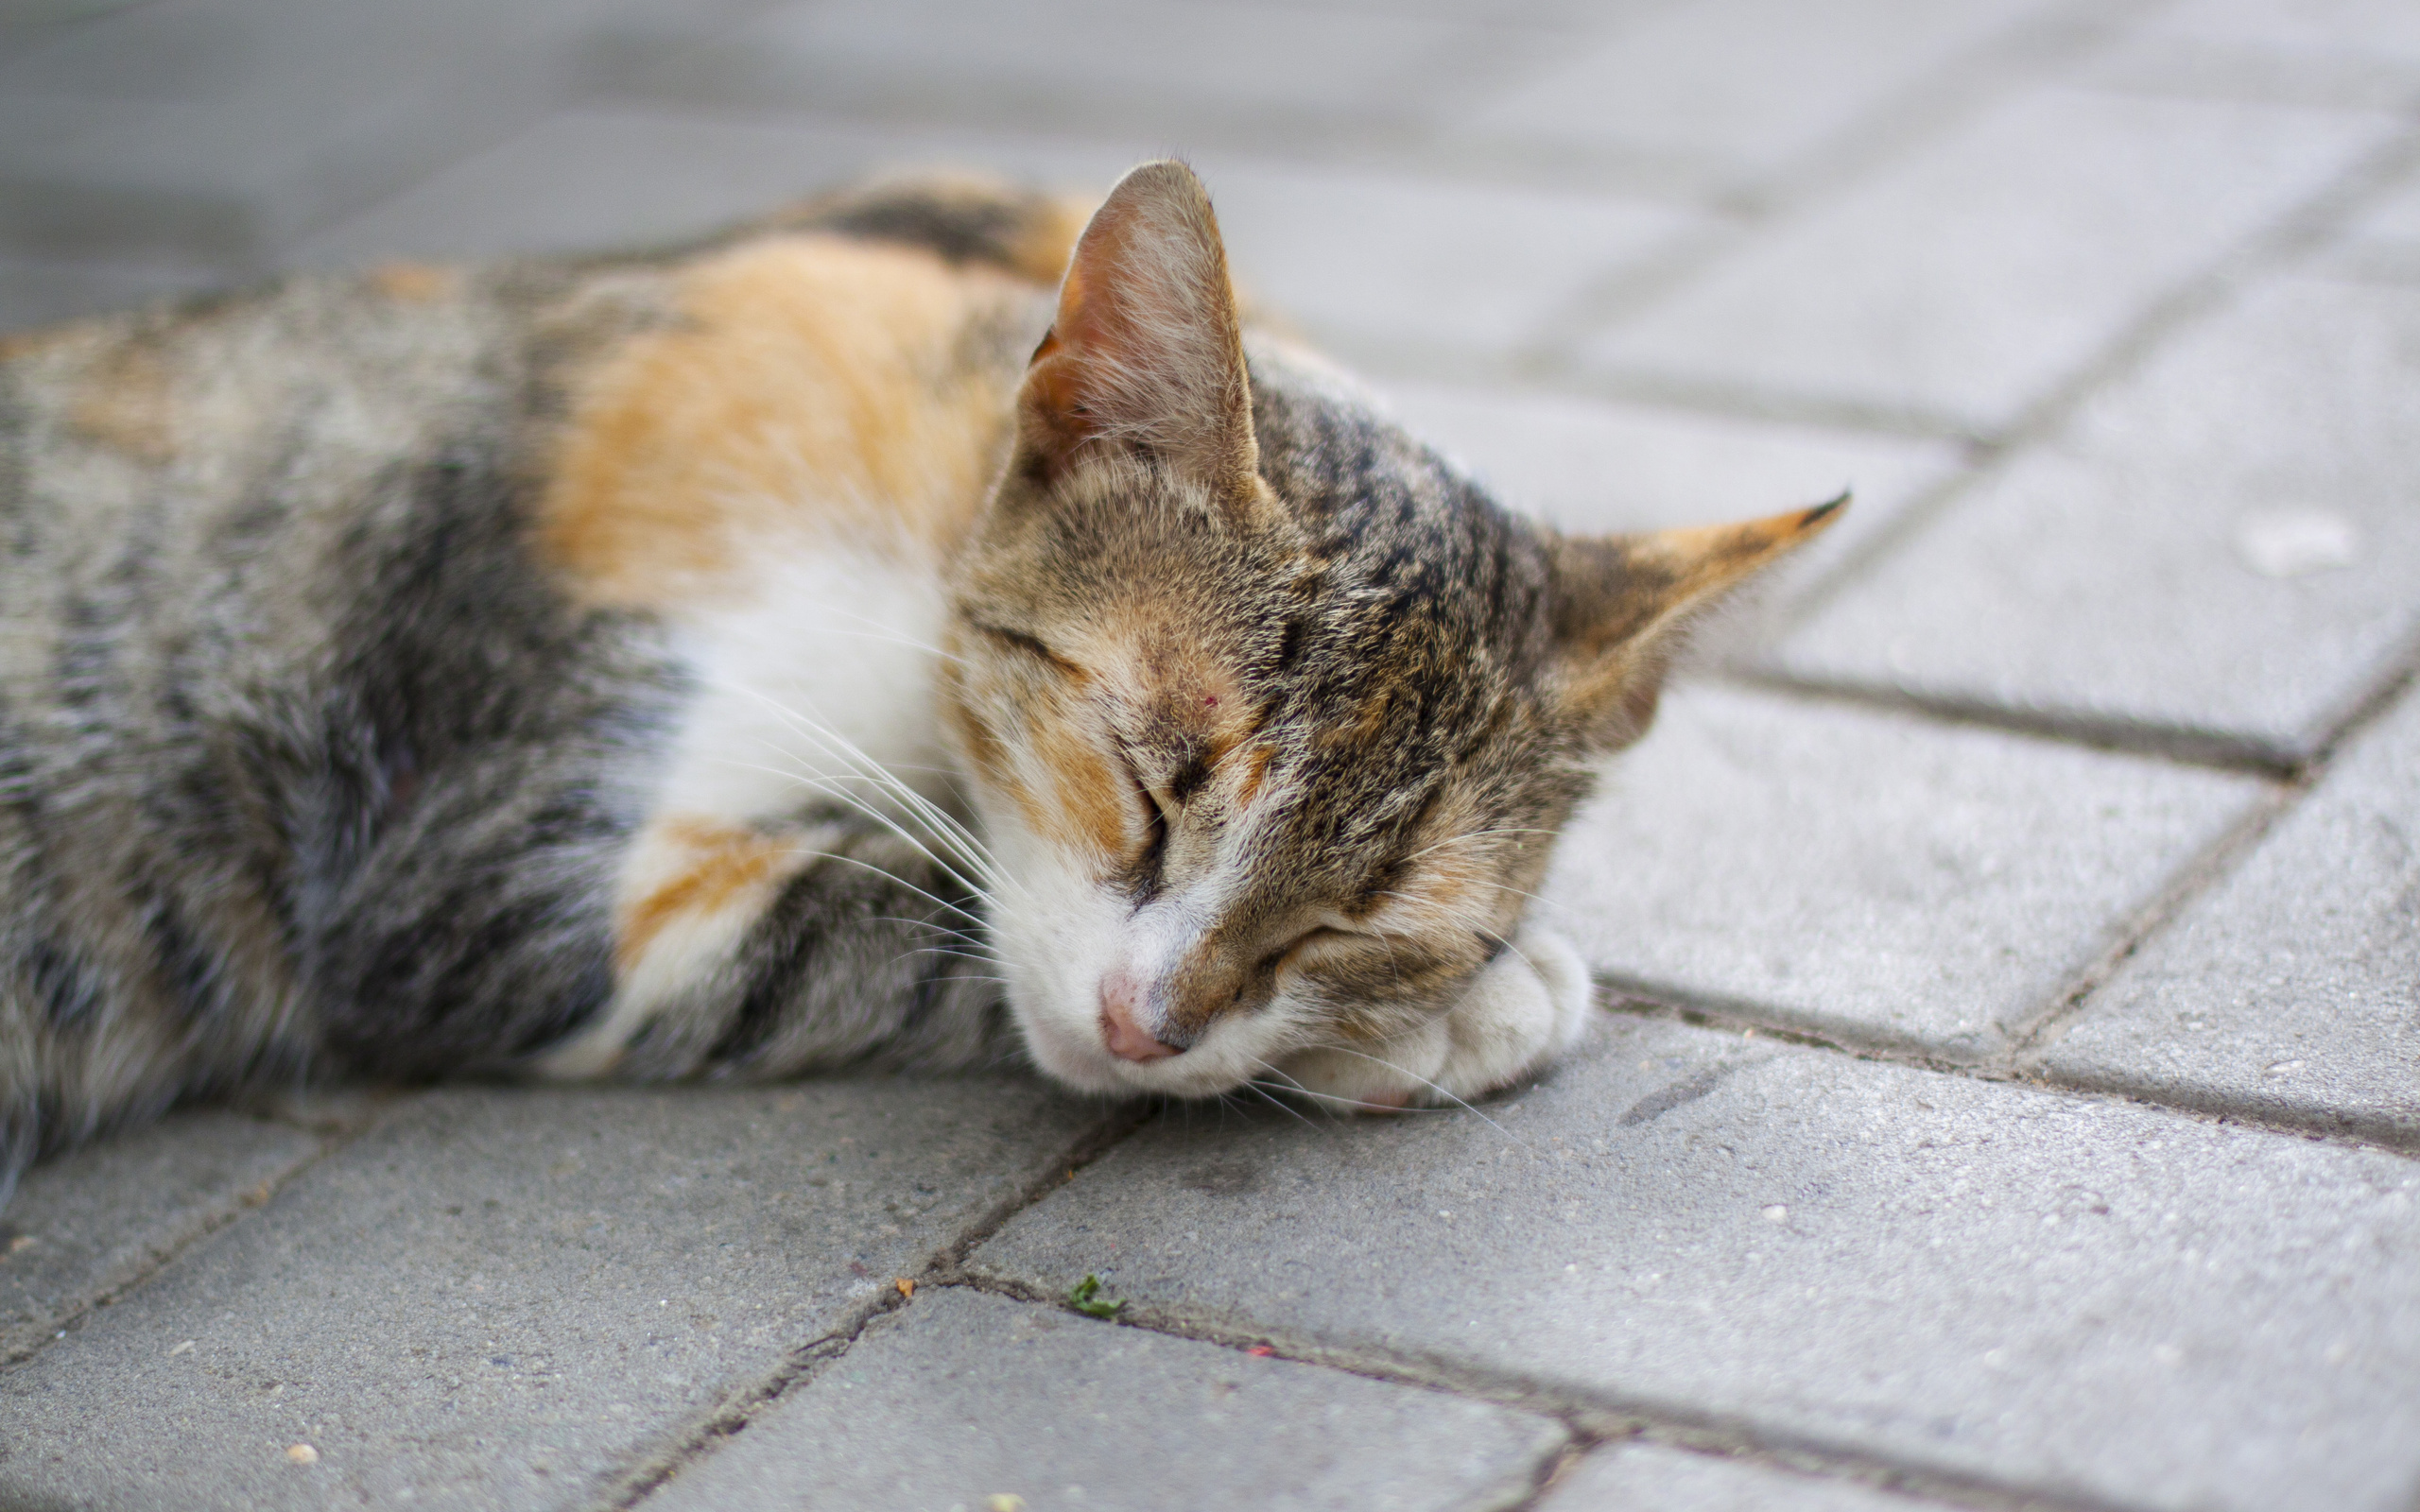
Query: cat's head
point(1272, 715)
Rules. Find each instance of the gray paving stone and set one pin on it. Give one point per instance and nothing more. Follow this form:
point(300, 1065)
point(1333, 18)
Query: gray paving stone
point(2222, 545)
point(2292, 990)
point(86, 1227)
point(1393, 271)
point(962, 1400)
point(2088, 1299)
point(1733, 88)
point(2320, 52)
point(499, 1299)
point(1593, 465)
point(34, 294)
point(1871, 877)
point(2382, 242)
point(1638, 1476)
point(217, 129)
point(1136, 67)
point(1965, 284)
point(1379, 266)
point(599, 177)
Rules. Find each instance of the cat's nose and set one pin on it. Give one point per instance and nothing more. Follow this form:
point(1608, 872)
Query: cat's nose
point(1127, 1040)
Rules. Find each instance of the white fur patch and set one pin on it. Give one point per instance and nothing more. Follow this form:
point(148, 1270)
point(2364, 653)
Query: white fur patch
point(811, 685)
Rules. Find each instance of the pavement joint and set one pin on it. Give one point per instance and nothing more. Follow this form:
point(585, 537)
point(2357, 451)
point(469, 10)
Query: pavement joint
point(2298, 231)
point(2031, 48)
point(749, 1398)
point(1592, 1418)
point(332, 1137)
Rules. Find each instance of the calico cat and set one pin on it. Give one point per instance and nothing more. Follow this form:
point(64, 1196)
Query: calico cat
point(764, 657)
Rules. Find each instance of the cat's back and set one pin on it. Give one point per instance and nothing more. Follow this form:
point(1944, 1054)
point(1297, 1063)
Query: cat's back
point(366, 564)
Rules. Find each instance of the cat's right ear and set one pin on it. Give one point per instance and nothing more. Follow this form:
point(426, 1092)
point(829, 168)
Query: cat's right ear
point(1147, 350)
point(1621, 604)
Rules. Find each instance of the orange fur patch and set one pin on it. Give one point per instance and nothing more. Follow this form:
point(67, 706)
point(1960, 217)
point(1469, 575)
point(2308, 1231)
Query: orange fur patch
point(812, 387)
point(127, 405)
point(724, 864)
point(413, 283)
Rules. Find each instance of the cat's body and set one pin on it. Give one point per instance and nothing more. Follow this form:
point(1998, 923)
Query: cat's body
point(739, 661)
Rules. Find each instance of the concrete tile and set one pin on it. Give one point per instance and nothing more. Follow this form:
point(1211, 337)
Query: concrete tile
point(2092, 1299)
point(964, 1399)
point(502, 1299)
point(1393, 271)
point(85, 1227)
point(205, 129)
point(1737, 88)
point(2292, 990)
point(1637, 1475)
point(1146, 66)
point(1967, 282)
point(2223, 545)
point(1866, 876)
point(1595, 465)
point(586, 179)
point(34, 294)
point(1374, 265)
point(2382, 241)
point(2355, 53)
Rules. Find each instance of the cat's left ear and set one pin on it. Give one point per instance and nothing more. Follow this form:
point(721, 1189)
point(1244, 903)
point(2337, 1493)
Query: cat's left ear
point(1147, 351)
point(1621, 602)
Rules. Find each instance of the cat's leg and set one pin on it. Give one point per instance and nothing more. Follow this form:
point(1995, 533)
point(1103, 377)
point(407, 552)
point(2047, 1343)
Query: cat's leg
point(769, 951)
point(1524, 1008)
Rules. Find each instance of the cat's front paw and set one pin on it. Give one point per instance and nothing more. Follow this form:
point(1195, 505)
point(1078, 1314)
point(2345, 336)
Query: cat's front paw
point(1526, 1006)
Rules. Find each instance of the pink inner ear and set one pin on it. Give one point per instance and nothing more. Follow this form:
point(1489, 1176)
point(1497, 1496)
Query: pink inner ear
point(1146, 347)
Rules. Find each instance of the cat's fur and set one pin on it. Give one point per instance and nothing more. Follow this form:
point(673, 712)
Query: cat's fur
point(740, 660)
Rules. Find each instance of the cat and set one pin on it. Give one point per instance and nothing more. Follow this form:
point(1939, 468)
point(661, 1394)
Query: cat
point(920, 625)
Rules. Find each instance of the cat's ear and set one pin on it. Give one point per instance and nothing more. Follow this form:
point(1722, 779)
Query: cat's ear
point(1147, 351)
point(1620, 602)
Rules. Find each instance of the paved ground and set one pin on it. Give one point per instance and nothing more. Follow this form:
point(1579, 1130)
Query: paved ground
point(2011, 1087)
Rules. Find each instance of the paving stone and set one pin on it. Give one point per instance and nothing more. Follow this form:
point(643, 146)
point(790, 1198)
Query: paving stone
point(1867, 876)
point(2292, 990)
point(1733, 88)
point(34, 294)
point(2222, 545)
point(1592, 465)
point(2088, 1299)
point(208, 129)
point(1392, 270)
point(1377, 266)
point(84, 1228)
point(1969, 280)
point(498, 1299)
point(1140, 67)
point(2382, 242)
point(2320, 52)
point(601, 178)
point(965, 1399)
point(1636, 1475)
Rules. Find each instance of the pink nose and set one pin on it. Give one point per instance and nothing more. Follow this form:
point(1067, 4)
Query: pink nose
point(1126, 1040)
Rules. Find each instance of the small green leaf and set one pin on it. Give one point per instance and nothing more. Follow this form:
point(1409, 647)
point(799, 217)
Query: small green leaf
point(1084, 1299)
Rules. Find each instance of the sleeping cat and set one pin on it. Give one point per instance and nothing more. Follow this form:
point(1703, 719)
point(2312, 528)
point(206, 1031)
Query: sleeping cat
point(764, 657)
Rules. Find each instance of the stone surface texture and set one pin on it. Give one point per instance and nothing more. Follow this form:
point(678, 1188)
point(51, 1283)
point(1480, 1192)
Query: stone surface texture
point(1757, 855)
point(2292, 990)
point(501, 1299)
point(1979, 1280)
point(1634, 1475)
point(2005, 1093)
point(961, 1398)
point(1966, 283)
point(2237, 515)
